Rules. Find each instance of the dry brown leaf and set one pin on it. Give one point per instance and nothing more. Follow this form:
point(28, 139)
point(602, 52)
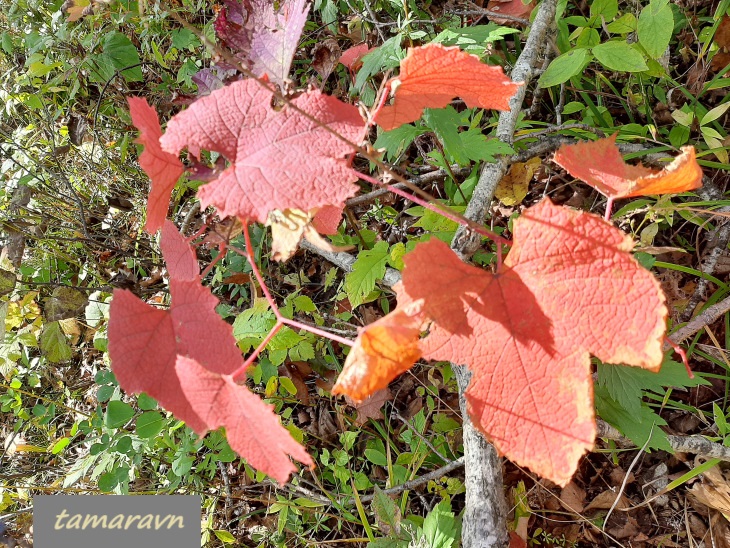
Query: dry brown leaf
point(325, 56)
point(713, 491)
point(605, 500)
point(573, 498)
point(288, 227)
point(370, 408)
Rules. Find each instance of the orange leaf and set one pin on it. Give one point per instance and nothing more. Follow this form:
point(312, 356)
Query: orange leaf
point(382, 351)
point(599, 163)
point(432, 75)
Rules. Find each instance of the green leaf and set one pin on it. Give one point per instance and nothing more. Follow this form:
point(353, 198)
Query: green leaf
point(626, 384)
point(117, 53)
point(6, 42)
point(564, 67)
point(619, 55)
point(397, 140)
point(303, 304)
point(118, 414)
point(445, 124)
point(473, 39)
point(288, 385)
point(367, 269)
point(54, 344)
point(60, 445)
point(656, 24)
point(439, 528)
point(107, 482)
point(603, 11)
point(438, 225)
point(636, 427)
point(150, 424)
point(387, 513)
point(715, 113)
point(146, 403)
point(623, 25)
point(387, 56)
point(479, 148)
point(252, 325)
point(182, 465)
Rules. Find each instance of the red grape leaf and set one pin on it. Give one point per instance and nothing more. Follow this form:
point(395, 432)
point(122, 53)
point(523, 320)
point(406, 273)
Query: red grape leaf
point(252, 428)
point(327, 219)
point(264, 37)
point(181, 261)
point(163, 169)
point(279, 159)
point(432, 75)
point(599, 163)
point(514, 8)
point(351, 57)
point(145, 342)
point(143, 351)
point(567, 289)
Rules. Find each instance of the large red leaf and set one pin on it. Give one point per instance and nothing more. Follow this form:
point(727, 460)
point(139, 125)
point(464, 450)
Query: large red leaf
point(568, 289)
point(163, 169)
point(252, 428)
point(181, 261)
point(264, 37)
point(432, 75)
point(279, 158)
point(599, 163)
point(145, 343)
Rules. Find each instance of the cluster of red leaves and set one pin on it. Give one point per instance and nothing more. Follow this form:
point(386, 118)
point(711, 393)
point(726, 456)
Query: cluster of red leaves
point(567, 289)
point(186, 356)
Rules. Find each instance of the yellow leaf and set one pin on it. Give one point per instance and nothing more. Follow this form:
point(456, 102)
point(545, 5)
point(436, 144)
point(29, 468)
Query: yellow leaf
point(513, 187)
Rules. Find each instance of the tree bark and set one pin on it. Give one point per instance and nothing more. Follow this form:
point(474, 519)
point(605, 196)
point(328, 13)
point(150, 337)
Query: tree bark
point(485, 514)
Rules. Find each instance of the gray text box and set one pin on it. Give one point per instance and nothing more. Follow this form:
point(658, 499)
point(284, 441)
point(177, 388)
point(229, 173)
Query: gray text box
point(116, 521)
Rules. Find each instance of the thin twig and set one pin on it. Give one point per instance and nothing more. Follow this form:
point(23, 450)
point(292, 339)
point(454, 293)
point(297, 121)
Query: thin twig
point(707, 317)
point(697, 445)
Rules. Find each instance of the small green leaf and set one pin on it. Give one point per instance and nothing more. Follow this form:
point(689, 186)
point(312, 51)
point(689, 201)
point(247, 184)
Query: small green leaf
point(107, 482)
point(656, 24)
point(603, 11)
point(619, 55)
point(118, 414)
point(54, 344)
point(287, 384)
point(367, 269)
point(150, 424)
point(715, 113)
point(623, 25)
point(60, 445)
point(635, 426)
point(564, 67)
point(146, 403)
point(224, 536)
point(397, 140)
point(387, 56)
